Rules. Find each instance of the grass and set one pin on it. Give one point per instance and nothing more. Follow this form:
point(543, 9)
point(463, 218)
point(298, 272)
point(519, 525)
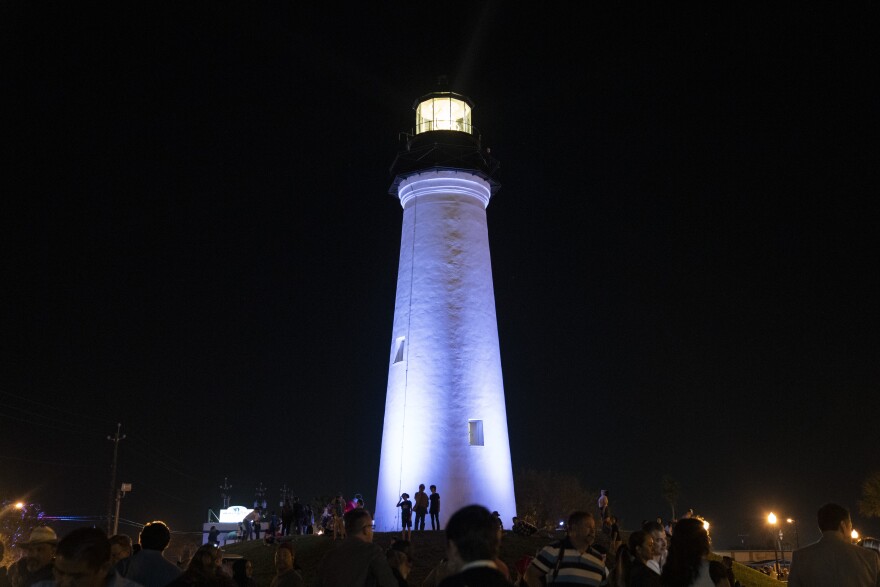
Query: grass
point(750, 577)
point(427, 548)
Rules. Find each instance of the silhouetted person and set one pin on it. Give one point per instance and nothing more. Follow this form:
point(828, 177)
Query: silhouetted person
point(205, 569)
point(298, 511)
point(833, 560)
point(214, 536)
point(687, 563)
point(603, 504)
point(405, 506)
point(148, 567)
point(434, 508)
point(420, 507)
point(243, 573)
point(472, 547)
point(287, 518)
point(356, 561)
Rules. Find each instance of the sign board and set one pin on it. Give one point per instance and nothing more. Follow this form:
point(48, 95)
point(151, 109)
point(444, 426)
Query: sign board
point(234, 514)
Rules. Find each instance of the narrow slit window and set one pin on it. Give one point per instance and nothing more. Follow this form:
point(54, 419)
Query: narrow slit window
point(475, 432)
point(399, 347)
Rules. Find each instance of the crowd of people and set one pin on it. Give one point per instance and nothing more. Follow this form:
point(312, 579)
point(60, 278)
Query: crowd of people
point(654, 555)
point(296, 519)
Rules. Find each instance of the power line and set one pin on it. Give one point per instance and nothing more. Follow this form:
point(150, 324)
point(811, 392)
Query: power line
point(54, 407)
point(11, 458)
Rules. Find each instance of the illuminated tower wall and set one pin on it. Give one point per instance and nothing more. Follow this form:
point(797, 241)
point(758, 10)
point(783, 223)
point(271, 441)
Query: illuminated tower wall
point(445, 417)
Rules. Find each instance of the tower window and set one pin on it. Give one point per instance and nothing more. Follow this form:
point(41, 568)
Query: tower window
point(475, 432)
point(399, 347)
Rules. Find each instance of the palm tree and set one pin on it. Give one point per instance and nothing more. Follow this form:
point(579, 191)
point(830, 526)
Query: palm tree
point(670, 489)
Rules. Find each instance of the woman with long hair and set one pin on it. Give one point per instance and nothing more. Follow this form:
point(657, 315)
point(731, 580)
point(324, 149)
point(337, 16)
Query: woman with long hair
point(204, 570)
point(687, 564)
point(631, 568)
point(243, 573)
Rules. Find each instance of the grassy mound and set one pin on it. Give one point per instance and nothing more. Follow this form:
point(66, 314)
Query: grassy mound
point(428, 548)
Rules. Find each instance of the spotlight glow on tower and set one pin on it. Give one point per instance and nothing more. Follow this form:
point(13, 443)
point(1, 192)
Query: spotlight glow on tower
point(445, 416)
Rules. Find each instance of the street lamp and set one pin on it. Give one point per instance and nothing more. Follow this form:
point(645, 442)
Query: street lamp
point(797, 542)
point(771, 519)
point(855, 535)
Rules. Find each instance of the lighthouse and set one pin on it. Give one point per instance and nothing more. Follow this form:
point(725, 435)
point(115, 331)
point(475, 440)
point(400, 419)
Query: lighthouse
point(445, 416)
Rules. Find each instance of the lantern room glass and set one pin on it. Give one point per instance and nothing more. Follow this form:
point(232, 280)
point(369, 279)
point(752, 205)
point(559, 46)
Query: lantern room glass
point(443, 113)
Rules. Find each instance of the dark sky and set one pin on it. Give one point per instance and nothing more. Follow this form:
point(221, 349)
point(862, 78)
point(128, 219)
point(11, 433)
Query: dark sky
point(198, 243)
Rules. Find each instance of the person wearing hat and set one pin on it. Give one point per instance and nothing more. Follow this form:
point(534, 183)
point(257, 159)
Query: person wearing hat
point(406, 508)
point(36, 565)
point(286, 574)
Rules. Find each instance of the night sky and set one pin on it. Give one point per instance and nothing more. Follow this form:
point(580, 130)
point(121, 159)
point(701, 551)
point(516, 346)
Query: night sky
point(198, 242)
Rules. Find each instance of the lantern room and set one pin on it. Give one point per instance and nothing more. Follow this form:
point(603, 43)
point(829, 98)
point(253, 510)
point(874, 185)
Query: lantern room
point(443, 111)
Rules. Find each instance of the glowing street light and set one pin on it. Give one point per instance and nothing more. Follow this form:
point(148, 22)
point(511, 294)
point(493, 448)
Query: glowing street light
point(771, 519)
point(855, 535)
point(19, 505)
point(706, 525)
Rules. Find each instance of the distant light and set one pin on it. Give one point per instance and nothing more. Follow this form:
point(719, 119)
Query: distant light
point(771, 518)
point(561, 524)
point(233, 514)
point(855, 535)
point(19, 506)
point(706, 525)
point(790, 521)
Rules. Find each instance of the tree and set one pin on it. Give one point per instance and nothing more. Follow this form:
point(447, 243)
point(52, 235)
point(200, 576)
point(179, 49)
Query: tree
point(17, 521)
point(671, 489)
point(869, 505)
point(543, 498)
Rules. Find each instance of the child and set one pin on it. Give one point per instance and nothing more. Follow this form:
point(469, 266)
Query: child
point(405, 506)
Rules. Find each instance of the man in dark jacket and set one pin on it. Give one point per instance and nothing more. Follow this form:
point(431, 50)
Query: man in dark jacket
point(472, 544)
point(148, 567)
point(834, 560)
point(356, 560)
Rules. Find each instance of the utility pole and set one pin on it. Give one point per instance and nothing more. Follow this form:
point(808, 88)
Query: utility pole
point(115, 439)
point(225, 492)
point(260, 497)
point(123, 489)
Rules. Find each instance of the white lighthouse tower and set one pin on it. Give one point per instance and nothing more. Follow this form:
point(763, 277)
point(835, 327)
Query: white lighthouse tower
point(445, 418)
